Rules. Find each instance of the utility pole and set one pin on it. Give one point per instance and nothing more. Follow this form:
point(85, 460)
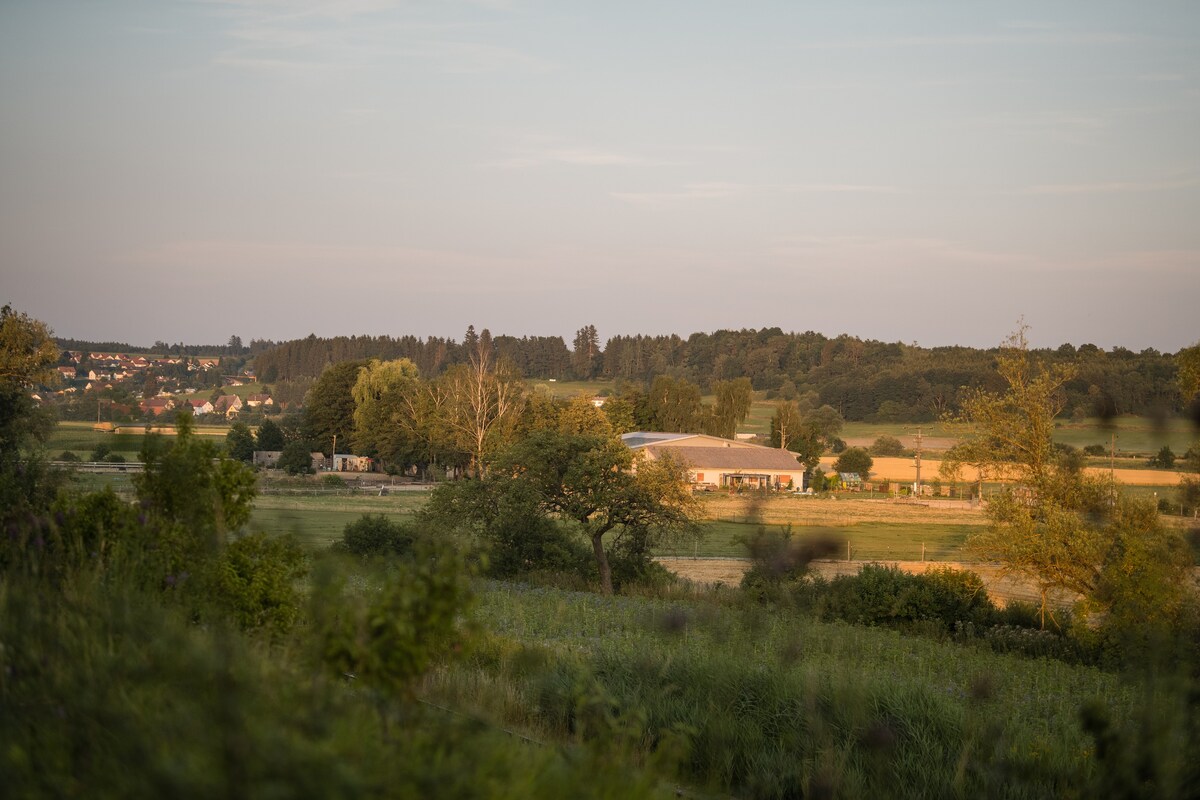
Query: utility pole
point(918, 485)
point(333, 455)
point(1112, 469)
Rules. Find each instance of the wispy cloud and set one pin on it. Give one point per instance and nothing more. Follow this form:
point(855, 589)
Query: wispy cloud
point(717, 190)
point(689, 192)
point(1031, 37)
point(1116, 187)
point(540, 150)
point(332, 35)
point(891, 253)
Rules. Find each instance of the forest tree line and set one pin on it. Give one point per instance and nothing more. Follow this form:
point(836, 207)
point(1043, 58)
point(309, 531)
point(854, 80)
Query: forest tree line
point(863, 379)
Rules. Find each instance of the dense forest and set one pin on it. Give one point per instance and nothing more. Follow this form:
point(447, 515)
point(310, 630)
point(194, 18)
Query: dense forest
point(863, 379)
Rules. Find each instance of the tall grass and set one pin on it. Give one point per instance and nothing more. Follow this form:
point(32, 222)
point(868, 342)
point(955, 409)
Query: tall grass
point(771, 706)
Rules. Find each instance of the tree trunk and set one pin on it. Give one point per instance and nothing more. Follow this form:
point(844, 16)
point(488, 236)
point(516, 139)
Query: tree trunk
point(606, 586)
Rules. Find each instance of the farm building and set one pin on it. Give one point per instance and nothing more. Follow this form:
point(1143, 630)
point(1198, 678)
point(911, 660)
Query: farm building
point(344, 462)
point(717, 462)
point(268, 459)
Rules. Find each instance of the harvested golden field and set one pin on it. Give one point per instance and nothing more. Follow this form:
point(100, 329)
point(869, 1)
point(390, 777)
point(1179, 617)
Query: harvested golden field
point(905, 471)
point(800, 510)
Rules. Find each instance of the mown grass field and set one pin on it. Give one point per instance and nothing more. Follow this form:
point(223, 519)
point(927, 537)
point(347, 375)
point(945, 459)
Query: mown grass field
point(79, 438)
point(568, 389)
point(1133, 434)
point(318, 520)
point(1138, 437)
point(867, 540)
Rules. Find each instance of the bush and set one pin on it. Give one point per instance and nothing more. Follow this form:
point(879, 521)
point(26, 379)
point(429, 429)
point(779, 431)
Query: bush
point(68, 455)
point(518, 546)
point(376, 535)
point(881, 595)
point(335, 481)
point(1095, 450)
point(1164, 459)
point(887, 446)
point(295, 459)
point(100, 452)
point(1019, 614)
point(779, 571)
point(257, 581)
point(949, 596)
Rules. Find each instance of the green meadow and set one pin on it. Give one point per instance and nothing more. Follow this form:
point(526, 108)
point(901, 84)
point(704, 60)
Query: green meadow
point(867, 540)
point(318, 520)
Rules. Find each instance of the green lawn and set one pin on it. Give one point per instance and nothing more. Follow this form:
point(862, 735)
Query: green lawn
point(243, 391)
point(867, 540)
point(1134, 434)
point(79, 438)
point(318, 520)
point(569, 389)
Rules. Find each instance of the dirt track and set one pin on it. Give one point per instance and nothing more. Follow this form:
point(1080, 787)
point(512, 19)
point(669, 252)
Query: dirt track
point(730, 570)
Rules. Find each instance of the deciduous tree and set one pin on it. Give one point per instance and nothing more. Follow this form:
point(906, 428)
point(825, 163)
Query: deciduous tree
point(855, 459)
point(1051, 523)
point(733, 400)
point(582, 417)
point(387, 411)
point(26, 355)
point(296, 458)
point(479, 402)
point(269, 437)
point(329, 405)
point(239, 442)
point(27, 351)
point(591, 482)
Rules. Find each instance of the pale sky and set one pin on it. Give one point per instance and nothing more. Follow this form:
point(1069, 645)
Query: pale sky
point(897, 170)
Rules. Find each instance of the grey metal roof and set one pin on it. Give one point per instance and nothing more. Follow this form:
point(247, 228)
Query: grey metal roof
point(638, 439)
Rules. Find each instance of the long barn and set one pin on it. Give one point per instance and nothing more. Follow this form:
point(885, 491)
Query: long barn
point(722, 463)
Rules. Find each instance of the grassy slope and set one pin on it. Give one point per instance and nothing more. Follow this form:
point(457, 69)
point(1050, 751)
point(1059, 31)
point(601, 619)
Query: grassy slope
point(768, 700)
